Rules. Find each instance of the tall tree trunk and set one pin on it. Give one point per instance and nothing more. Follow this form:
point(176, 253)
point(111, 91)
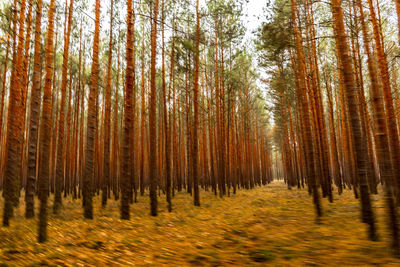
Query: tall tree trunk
point(388, 98)
point(107, 117)
point(115, 146)
point(167, 142)
point(337, 177)
point(196, 111)
point(353, 104)
point(307, 140)
point(91, 121)
point(34, 116)
point(152, 113)
point(14, 125)
point(127, 132)
point(382, 143)
point(60, 165)
point(45, 128)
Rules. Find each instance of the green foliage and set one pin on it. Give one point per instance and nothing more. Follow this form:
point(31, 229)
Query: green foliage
point(188, 45)
point(275, 37)
point(273, 43)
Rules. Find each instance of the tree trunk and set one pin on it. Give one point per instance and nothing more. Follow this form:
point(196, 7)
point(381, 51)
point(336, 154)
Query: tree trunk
point(45, 128)
point(382, 143)
point(60, 165)
point(127, 127)
point(167, 142)
point(353, 104)
point(107, 118)
point(91, 122)
point(14, 125)
point(152, 113)
point(34, 116)
point(196, 111)
point(307, 141)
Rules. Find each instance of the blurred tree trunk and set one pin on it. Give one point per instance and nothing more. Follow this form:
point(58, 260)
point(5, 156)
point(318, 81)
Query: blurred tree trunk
point(61, 151)
point(91, 121)
point(127, 126)
point(388, 98)
point(34, 116)
point(196, 111)
point(382, 141)
point(152, 113)
point(107, 117)
point(306, 121)
point(353, 104)
point(14, 123)
point(45, 127)
point(167, 142)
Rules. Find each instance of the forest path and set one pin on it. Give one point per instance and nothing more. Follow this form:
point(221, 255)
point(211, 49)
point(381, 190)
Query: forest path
point(268, 225)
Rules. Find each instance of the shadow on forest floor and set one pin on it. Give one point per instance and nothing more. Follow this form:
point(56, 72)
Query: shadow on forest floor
point(268, 225)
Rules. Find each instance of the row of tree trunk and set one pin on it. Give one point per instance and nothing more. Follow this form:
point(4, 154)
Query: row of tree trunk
point(348, 142)
point(183, 126)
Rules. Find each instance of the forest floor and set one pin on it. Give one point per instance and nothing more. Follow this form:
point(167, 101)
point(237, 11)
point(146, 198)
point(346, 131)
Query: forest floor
point(265, 226)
